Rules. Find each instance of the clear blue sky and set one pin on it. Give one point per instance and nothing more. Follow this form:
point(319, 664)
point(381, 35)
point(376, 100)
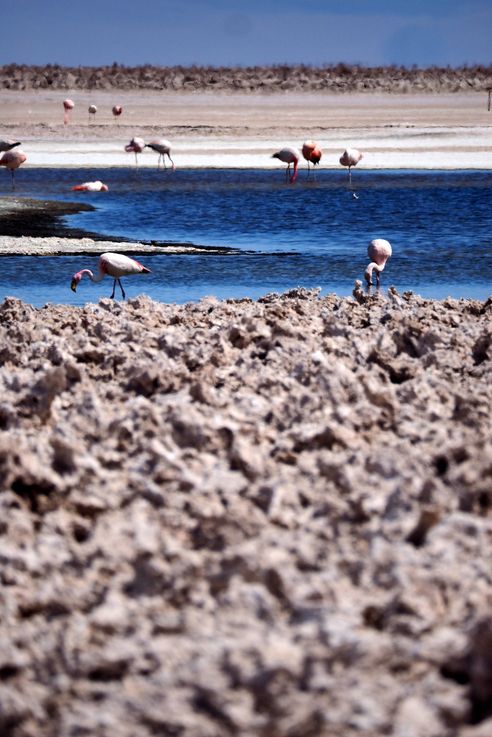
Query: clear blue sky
point(246, 32)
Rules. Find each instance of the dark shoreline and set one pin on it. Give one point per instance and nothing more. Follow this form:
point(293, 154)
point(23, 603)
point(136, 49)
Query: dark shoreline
point(26, 217)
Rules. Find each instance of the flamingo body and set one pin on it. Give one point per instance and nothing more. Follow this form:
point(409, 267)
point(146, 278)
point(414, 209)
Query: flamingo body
point(12, 160)
point(96, 186)
point(289, 156)
point(379, 251)
point(115, 265)
point(350, 158)
point(116, 110)
point(163, 148)
point(311, 152)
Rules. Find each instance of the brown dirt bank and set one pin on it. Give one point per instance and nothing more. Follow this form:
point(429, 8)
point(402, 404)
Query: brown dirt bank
point(277, 78)
point(246, 518)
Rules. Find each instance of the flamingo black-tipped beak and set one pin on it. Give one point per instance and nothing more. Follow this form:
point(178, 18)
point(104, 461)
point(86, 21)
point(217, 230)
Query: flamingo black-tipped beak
point(73, 285)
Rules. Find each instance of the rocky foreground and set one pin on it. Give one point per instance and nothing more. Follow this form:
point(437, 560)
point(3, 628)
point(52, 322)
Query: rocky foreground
point(246, 518)
point(275, 78)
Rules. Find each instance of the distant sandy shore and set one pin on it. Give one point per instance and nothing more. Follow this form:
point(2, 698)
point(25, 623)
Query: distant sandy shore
point(442, 131)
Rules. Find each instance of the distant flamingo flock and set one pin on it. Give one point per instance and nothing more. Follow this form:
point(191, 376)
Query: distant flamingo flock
point(117, 265)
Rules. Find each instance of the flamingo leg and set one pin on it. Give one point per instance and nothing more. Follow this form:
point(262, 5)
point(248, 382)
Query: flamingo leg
point(114, 287)
point(121, 287)
point(13, 179)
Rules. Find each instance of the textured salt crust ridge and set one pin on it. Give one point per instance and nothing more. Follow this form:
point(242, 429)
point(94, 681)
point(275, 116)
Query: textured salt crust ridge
point(277, 78)
point(245, 518)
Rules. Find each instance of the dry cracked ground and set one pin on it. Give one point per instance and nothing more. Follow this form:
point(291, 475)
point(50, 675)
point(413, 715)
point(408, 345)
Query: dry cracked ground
point(265, 518)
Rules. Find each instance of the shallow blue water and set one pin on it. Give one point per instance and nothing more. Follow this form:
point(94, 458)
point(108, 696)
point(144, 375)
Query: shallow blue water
point(313, 233)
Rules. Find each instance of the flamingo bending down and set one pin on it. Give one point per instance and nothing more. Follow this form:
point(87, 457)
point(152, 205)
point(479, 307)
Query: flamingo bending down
point(96, 186)
point(311, 152)
point(136, 145)
point(163, 148)
point(12, 160)
point(350, 158)
point(112, 264)
point(68, 105)
point(8, 145)
point(379, 251)
point(289, 155)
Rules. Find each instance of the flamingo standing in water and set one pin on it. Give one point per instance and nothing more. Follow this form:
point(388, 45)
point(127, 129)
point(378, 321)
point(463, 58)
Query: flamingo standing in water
point(8, 145)
point(117, 110)
point(67, 105)
point(12, 160)
point(137, 146)
point(92, 111)
point(312, 153)
point(350, 158)
point(379, 251)
point(112, 264)
point(289, 155)
point(163, 148)
point(96, 186)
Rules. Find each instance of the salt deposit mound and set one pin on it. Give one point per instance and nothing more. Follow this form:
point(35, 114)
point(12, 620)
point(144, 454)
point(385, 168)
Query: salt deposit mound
point(246, 518)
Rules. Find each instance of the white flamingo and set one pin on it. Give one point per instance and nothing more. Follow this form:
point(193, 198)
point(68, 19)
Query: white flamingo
point(289, 156)
point(115, 265)
point(379, 251)
point(163, 148)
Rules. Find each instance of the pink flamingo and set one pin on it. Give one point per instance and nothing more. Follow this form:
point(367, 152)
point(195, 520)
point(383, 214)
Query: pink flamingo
point(137, 146)
point(350, 158)
point(92, 111)
point(163, 148)
point(311, 152)
point(379, 251)
point(67, 105)
point(12, 160)
point(8, 145)
point(115, 265)
point(117, 110)
point(96, 186)
point(289, 155)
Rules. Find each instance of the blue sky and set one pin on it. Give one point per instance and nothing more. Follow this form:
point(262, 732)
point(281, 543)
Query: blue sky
point(231, 32)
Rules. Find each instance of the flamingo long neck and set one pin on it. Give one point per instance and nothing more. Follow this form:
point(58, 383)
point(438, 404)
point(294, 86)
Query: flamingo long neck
point(373, 266)
point(91, 276)
point(294, 175)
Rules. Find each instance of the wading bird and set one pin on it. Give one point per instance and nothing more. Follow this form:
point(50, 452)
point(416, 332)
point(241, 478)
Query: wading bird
point(96, 186)
point(311, 152)
point(8, 145)
point(137, 146)
point(163, 148)
point(12, 160)
point(92, 111)
point(350, 158)
point(379, 251)
point(67, 105)
point(112, 264)
point(117, 110)
point(289, 155)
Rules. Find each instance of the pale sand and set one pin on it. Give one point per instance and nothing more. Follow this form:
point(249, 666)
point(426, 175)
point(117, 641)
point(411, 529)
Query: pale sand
point(448, 131)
